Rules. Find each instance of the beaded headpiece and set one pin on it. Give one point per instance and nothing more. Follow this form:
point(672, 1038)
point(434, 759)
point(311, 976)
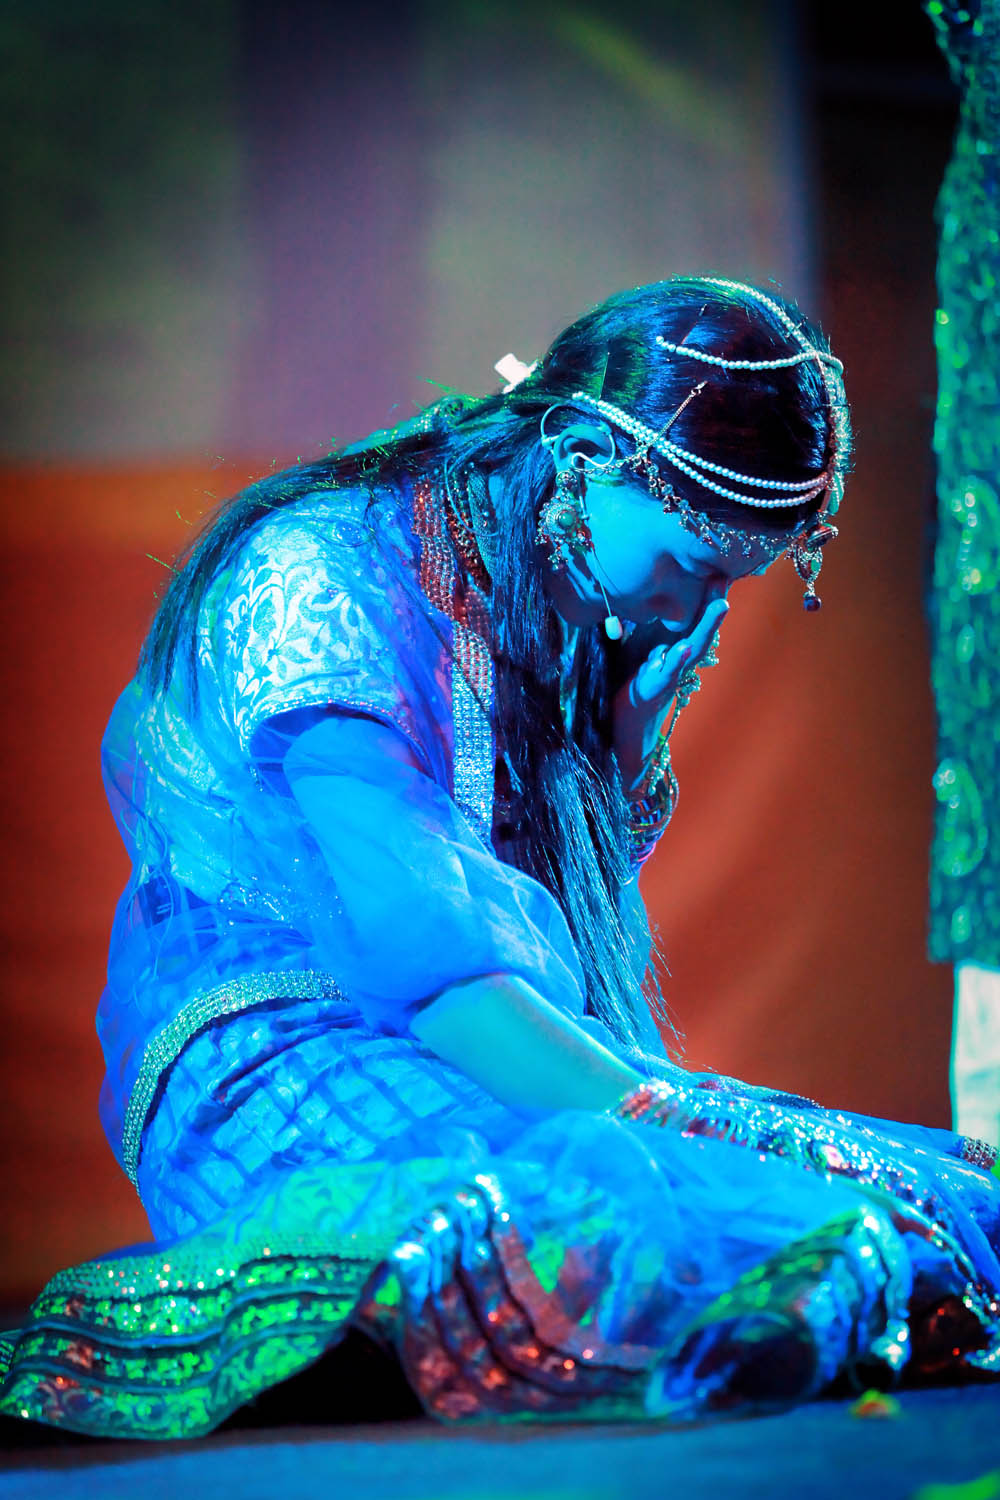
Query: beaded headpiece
point(806, 540)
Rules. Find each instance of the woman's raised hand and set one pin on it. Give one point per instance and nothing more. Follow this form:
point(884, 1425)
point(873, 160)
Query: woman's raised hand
point(641, 703)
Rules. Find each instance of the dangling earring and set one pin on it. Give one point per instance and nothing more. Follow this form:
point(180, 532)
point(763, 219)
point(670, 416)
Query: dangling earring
point(562, 527)
point(562, 520)
point(807, 556)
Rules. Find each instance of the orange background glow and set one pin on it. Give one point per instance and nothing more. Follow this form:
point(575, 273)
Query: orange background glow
point(300, 224)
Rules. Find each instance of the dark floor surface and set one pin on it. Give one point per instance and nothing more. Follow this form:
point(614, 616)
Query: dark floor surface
point(945, 1437)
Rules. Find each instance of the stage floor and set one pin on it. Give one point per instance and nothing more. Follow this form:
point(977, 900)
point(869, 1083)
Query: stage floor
point(946, 1437)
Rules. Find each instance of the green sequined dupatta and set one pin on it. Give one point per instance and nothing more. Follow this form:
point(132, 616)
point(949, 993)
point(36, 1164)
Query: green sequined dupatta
point(166, 1343)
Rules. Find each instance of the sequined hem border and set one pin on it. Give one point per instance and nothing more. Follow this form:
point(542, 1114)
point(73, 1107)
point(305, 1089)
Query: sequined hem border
point(164, 1048)
point(168, 1344)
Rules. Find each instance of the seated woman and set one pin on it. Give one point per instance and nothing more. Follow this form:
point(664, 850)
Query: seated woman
point(380, 1023)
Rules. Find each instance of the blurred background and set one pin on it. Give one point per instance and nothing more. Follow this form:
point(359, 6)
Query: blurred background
point(236, 232)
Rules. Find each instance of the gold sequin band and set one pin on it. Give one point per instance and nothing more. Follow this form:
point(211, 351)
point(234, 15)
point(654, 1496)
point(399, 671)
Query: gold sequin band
point(164, 1048)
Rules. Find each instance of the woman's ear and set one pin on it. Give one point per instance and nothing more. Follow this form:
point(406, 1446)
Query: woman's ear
point(582, 445)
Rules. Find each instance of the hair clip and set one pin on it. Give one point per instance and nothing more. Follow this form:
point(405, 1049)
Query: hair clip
point(513, 371)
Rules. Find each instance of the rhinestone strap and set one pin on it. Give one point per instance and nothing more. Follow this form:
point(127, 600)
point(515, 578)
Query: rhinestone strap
point(979, 1152)
point(464, 602)
point(164, 1048)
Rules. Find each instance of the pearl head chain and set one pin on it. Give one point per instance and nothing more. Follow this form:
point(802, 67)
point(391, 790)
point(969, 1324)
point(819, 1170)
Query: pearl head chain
point(790, 492)
point(690, 352)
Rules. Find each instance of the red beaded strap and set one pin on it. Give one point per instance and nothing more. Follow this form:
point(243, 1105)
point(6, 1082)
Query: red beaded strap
point(979, 1153)
point(641, 1103)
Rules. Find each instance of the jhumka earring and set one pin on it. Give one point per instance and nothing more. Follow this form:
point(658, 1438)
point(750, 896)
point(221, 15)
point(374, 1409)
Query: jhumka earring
point(562, 521)
point(562, 527)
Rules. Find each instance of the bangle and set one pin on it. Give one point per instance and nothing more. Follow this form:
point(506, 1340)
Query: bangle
point(652, 804)
point(649, 1102)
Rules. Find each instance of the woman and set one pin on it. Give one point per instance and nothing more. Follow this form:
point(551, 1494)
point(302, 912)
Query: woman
point(379, 1018)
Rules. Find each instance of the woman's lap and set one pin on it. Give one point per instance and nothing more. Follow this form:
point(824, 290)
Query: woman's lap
point(256, 1099)
point(281, 1088)
point(334, 1178)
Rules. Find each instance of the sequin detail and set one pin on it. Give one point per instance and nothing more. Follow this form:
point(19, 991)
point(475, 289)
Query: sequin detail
point(163, 1049)
point(462, 600)
point(168, 1344)
point(964, 603)
point(817, 1145)
point(979, 1152)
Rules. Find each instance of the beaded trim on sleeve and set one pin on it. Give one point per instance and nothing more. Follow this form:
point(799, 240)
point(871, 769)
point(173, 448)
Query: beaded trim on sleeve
point(164, 1048)
point(463, 601)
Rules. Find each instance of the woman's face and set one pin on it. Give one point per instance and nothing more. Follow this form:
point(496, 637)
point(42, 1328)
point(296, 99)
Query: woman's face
point(650, 565)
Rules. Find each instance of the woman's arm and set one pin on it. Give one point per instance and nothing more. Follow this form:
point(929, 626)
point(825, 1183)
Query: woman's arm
point(471, 956)
point(507, 1038)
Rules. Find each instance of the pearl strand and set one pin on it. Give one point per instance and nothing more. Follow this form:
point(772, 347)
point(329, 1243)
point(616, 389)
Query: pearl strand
point(790, 326)
point(690, 352)
point(648, 437)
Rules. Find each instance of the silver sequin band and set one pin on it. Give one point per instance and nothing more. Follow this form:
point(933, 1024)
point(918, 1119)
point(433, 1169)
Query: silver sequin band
point(471, 663)
point(163, 1049)
point(474, 749)
point(979, 1152)
point(170, 1269)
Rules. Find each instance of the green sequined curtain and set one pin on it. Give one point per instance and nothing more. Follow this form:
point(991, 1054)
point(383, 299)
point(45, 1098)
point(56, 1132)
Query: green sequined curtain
point(964, 605)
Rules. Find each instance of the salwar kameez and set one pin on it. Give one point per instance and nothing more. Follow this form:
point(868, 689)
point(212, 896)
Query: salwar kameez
point(309, 1167)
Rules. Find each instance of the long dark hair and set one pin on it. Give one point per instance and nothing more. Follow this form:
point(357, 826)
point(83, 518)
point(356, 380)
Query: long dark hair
point(783, 423)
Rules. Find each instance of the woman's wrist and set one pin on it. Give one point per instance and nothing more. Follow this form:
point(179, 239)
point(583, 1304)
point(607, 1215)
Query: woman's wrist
point(521, 1049)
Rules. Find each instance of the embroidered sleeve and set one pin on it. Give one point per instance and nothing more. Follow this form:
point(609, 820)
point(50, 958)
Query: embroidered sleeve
point(414, 901)
point(315, 611)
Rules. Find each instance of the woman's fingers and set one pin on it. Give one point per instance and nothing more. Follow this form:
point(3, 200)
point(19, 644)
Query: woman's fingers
point(660, 673)
point(701, 636)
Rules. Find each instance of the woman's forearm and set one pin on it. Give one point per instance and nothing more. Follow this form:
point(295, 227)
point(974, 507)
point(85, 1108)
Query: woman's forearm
point(504, 1036)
